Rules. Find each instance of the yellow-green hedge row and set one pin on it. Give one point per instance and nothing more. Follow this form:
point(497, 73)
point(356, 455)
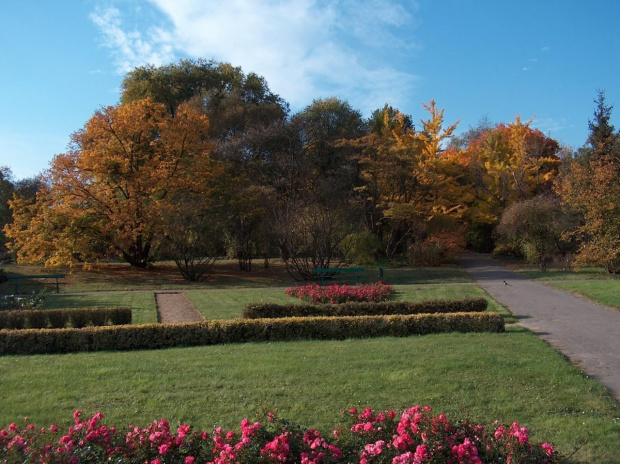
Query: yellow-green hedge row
point(384, 308)
point(156, 336)
point(61, 318)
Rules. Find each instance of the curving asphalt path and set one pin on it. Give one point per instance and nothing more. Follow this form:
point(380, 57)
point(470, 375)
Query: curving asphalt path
point(587, 333)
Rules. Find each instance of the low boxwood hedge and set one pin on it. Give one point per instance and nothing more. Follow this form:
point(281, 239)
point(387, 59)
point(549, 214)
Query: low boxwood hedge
point(61, 318)
point(261, 310)
point(156, 336)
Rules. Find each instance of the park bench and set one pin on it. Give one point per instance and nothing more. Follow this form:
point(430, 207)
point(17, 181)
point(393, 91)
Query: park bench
point(329, 273)
point(22, 280)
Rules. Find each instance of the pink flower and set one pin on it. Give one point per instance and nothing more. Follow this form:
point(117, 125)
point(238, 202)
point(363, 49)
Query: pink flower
point(548, 448)
point(189, 460)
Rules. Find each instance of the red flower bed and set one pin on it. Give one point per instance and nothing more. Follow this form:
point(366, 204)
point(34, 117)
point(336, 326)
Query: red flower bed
point(413, 436)
point(335, 294)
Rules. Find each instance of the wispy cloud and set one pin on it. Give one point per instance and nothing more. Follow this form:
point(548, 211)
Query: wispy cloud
point(131, 48)
point(550, 125)
point(304, 48)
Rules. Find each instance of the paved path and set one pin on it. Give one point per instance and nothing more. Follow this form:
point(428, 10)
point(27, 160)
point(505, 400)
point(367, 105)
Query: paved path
point(587, 333)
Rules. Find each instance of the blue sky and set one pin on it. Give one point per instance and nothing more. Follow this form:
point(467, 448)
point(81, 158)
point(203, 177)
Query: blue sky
point(541, 59)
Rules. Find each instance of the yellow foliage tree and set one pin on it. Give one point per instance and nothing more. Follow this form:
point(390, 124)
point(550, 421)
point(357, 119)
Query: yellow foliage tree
point(407, 179)
point(508, 163)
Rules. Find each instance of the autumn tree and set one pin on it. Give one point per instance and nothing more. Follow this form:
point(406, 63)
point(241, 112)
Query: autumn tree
point(503, 165)
point(108, 193)
point(404, 175)
point(591, 186)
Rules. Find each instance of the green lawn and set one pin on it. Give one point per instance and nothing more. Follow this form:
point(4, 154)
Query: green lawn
point(606, 292)
point(229, 304)
point(142, 304)
point(509, 376)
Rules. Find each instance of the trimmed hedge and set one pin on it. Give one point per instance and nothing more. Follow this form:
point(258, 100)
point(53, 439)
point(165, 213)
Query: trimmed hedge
point(61, 318)
point(156, 336)
point(261, 310)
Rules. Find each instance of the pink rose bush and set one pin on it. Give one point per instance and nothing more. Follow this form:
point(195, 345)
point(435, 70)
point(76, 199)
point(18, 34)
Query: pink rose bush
point(335, 294)
point(415, 436)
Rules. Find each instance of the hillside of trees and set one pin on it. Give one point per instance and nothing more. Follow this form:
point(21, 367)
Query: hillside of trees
point(200, 160)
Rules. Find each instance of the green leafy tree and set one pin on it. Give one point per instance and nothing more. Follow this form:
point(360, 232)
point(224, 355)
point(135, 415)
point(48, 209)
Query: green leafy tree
point(7, 189)
point(539, 227)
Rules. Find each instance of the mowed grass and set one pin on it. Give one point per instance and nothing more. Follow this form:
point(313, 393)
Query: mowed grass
point(229, 304)
point(483, 377)
point(142, 304)
point(606, 292)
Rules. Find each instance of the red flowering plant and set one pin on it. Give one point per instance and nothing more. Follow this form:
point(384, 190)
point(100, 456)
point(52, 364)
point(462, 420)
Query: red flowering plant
point(335, 294)
point(414, 436)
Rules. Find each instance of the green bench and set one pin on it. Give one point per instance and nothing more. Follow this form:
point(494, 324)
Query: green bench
point(328, 273)
point(19, 280)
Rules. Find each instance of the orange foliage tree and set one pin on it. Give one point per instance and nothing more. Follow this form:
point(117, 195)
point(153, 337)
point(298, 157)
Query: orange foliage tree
point(511, 162)
point(110, 191)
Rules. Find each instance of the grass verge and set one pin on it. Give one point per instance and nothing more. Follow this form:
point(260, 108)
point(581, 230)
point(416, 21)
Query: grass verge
point(509, 376)
point(606, 292)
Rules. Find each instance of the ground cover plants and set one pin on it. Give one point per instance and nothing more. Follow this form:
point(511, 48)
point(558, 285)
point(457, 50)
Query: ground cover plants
point(334, 294)
point(412, 436)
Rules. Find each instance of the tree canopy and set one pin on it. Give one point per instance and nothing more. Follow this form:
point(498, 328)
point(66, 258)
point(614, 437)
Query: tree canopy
point(200, 158)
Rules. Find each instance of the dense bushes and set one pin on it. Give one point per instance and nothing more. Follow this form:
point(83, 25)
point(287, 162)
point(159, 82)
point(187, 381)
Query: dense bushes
point(155, 336)
point(414, 435)
point(61, 318)
point(260, 310)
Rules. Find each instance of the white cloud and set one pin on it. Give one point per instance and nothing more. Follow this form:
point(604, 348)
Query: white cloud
point(130, 49)
point(304, 48)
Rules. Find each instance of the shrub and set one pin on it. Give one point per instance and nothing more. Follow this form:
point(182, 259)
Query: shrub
point(270, 310)
point(335, 294)
point(60, 318)
point(32, 301)
point(156, 336)
point(414, 435)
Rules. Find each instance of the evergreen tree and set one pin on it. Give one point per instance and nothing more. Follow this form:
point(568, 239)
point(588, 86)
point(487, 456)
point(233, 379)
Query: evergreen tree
point(603, 141)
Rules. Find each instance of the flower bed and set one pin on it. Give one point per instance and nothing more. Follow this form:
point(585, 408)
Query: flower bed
point(335, 294)
point(413, 436)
